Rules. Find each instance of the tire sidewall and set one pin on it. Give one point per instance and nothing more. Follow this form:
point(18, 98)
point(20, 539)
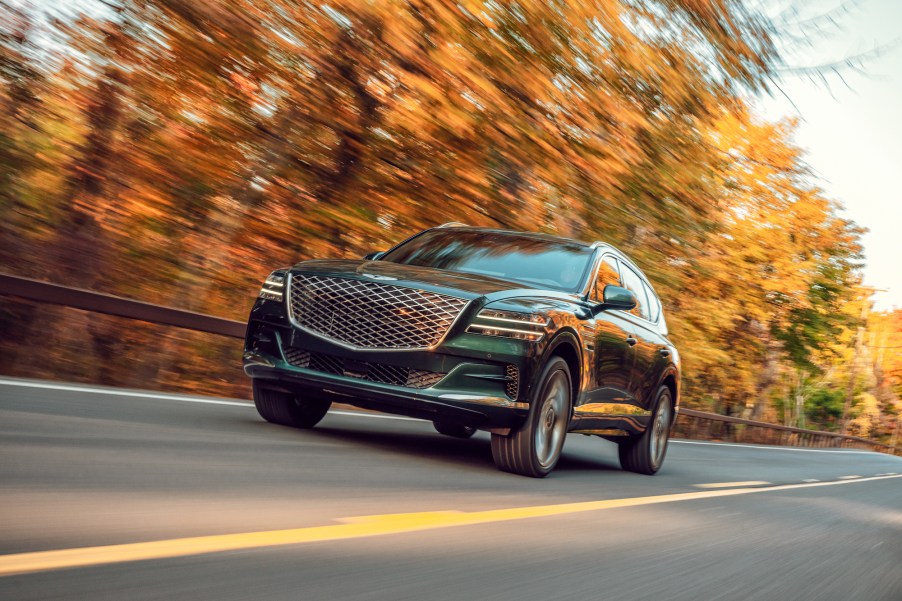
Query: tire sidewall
point(535, 410)
point(662, 399)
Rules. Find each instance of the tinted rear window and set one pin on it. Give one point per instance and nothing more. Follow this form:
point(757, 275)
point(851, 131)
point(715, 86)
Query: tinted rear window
point(533, 261)
point(633, 282)
point(654, 305)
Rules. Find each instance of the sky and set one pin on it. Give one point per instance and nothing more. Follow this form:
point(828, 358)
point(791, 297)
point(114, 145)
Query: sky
point(852, 131)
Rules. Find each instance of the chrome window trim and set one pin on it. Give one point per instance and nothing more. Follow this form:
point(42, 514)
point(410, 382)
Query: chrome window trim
point(607, 249)
point(589, 288)
point(643, 284)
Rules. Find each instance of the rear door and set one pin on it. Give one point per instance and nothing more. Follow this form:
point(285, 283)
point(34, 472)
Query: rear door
point(649, 342)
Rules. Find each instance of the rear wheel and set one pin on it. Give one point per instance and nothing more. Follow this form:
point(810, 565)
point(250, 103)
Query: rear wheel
point(535, 448)
point(288, 409)
point(455, 430)
point(644, 454)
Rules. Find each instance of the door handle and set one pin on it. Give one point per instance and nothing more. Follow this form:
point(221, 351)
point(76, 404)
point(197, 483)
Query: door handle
point(631, 341)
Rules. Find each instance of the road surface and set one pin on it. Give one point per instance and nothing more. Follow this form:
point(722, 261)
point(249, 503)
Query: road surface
point(115, 494)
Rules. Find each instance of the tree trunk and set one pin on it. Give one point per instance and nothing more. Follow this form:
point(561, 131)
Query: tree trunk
point(766, 379)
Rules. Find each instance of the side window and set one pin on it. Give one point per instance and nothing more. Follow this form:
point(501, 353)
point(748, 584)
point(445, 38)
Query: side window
point(632, 282)
point(654, 305)
point(607, 274)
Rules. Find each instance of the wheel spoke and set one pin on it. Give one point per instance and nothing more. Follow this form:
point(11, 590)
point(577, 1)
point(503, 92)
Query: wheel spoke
point(552, 423)
point(658, 439)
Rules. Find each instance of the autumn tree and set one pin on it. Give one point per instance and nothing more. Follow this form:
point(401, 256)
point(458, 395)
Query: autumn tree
point(174, 151)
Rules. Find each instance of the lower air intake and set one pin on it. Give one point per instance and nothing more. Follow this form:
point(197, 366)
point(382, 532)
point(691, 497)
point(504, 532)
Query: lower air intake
point(372, 372)
point(512, 387)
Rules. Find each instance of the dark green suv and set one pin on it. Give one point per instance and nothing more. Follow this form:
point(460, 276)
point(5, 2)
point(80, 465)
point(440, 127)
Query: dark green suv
point(526, 336)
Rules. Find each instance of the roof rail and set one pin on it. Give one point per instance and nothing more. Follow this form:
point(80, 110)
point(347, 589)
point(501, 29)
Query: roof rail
point(452, 224)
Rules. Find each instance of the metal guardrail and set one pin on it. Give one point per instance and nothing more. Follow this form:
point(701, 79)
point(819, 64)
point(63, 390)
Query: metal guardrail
point(711, 426)
point(97, 302)
point(701, 425)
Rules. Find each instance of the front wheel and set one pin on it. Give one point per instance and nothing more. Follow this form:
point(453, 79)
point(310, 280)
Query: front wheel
point(535, 448)
point(288, 409)
point(644, 454)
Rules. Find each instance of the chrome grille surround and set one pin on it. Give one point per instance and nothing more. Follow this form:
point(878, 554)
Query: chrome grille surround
point(372, 372)
point(370, 315)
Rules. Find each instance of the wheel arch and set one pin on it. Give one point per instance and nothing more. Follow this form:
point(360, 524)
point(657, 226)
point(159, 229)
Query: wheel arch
point(671, 380)
point(565, 345)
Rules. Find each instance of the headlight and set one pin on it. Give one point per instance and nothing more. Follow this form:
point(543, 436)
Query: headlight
point(510, 324)
point(273, 287)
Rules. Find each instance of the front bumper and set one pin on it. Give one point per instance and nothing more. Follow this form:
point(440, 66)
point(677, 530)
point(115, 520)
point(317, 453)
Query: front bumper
point(472, 390)
point(484, 412)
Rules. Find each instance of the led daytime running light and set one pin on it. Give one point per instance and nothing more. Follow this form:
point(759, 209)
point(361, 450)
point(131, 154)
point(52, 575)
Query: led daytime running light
point(273, 287)
point(493, 322)
point(527, 319)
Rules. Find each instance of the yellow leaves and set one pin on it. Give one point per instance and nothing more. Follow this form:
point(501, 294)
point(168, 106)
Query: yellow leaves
point(774, 237)
point(868, 416)
point(314, 129)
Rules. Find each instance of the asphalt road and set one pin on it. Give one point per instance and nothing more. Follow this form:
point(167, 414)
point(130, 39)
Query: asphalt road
point(166, 476)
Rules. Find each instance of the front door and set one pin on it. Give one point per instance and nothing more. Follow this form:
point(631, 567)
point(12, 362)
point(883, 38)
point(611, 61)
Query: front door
point(613, 358)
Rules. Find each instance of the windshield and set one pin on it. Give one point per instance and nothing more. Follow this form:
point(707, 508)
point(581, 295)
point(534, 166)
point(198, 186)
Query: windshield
point(557, 265)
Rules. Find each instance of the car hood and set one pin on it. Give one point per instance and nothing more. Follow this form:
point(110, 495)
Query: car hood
point(462, 285)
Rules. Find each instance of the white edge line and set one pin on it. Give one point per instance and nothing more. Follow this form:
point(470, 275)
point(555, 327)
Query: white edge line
point(130, 393)
point(213, 401)
point(733, 484)
point(173, 397)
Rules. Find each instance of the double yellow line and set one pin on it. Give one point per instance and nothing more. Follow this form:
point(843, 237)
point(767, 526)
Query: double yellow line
point(378, 525)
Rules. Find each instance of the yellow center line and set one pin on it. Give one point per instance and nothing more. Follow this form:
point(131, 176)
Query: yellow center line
point(41, 561)
point(732, 484)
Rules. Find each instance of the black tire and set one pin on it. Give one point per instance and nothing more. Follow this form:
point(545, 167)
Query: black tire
point(535, 448)
point(645, 454)
point(288, 409)
point(455, 430)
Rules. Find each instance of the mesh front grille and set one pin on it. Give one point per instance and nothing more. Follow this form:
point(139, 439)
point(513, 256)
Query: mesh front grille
point(326, 363)
point(371, 315)
point(418, 378)
point(512, 387)
point(373, 372)
point(387, 374)
point(297, 357)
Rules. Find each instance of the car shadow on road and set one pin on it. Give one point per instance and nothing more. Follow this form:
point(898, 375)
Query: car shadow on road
point(573, 463)
point(431, 446)
point(474, 452)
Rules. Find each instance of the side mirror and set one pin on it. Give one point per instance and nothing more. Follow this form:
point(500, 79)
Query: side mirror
point(374, 256)
point(615, 297)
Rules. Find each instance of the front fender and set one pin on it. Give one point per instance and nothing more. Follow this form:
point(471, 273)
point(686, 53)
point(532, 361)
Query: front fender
point(567, 344)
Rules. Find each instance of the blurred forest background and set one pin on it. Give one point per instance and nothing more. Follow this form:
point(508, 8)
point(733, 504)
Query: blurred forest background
point(176, 151)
